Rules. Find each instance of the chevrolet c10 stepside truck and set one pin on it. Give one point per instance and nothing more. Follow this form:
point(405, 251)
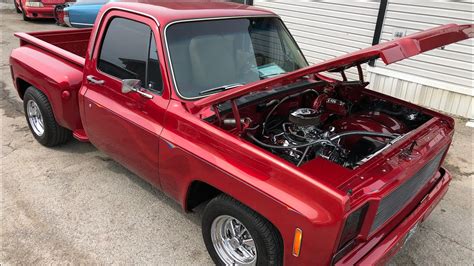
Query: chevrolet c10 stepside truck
point(214, 103)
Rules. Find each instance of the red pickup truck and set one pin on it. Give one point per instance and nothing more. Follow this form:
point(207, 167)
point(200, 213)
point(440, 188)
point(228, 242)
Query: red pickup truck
point(215, 103)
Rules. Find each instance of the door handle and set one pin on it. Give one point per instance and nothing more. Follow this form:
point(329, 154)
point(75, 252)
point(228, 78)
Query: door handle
point(94, 80)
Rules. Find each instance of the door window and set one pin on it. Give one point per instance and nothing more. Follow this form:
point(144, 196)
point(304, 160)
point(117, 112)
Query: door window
point(128, 51)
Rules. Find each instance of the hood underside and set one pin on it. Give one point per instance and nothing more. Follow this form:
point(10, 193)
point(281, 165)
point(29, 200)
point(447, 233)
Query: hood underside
point(389, 52)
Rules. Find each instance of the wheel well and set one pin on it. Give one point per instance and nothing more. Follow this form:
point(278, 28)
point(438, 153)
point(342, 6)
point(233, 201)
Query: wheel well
point(200, 192)
point(21, 86)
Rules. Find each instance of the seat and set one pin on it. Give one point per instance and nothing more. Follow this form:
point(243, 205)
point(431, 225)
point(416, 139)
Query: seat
point(212, 55)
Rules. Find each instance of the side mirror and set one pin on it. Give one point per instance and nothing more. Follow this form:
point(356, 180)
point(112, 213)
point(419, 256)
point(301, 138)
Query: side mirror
point(129, 85)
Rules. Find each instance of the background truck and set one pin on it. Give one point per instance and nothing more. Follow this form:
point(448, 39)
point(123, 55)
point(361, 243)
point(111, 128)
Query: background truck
point(214, 103)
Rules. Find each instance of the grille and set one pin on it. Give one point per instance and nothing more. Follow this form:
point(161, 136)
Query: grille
point(396, 200)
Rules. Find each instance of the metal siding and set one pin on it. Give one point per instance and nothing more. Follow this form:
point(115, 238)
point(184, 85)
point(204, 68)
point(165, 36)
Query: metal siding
point(328, 29)
point(431, 97)
point(451, 67)
point(453, 64)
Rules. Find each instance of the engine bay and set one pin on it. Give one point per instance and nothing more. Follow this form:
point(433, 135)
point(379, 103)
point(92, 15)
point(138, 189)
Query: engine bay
point(341, 122)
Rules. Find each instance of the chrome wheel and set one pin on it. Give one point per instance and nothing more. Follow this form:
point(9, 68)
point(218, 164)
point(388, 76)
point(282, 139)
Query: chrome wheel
point(232, 241)
point(35, 118)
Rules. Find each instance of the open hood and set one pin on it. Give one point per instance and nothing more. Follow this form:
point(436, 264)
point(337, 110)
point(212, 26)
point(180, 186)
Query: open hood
point(390, 52)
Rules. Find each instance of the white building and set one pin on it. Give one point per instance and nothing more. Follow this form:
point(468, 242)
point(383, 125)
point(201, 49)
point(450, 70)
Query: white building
point(441, 79)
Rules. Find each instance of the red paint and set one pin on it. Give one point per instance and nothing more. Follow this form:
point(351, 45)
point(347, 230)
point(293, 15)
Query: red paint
point(46, 11)
point(65, 95)
point(165, 143)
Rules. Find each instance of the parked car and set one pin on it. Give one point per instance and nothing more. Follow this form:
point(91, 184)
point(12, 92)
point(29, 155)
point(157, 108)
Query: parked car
point(81, 14)
point(35, 9)
point(214, 103)
point(59, 14)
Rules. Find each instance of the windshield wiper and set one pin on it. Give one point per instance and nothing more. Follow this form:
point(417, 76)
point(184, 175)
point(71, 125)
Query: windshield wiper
point(221, 88)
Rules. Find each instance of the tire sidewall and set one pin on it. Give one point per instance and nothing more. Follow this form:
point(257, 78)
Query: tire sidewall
point(32, 94)
point(218, 208)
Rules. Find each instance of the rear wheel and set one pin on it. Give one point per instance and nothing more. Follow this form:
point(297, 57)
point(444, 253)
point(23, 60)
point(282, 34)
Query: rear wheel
point(41, 121)
point(17, 8)
point(236, 235)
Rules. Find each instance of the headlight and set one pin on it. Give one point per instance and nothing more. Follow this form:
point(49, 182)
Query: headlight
point(352, 226)
point(33, 3)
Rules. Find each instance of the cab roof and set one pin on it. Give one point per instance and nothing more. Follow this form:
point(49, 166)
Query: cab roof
point(166, 11)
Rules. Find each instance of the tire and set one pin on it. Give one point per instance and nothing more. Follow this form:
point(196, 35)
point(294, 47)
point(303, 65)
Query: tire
point(52, 134)
point(266, 239)
point(17, 8)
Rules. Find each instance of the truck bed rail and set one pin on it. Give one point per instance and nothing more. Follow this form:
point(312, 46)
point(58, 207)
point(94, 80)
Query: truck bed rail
point(26, 38)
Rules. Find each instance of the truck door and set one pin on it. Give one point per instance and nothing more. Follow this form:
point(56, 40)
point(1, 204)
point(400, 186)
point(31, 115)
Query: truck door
point(126, 126)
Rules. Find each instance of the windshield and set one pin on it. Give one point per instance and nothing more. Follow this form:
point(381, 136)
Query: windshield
point(221, 53)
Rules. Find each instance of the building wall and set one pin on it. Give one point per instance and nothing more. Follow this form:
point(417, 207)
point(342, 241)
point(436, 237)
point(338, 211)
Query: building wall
point(327, 29)
point(441, 79)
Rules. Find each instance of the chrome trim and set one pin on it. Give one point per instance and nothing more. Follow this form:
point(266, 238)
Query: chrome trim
point(66, 19)
point(193, 20)
point(232, 241)
point(35, 118)
point(82, 24)
point(120, 9)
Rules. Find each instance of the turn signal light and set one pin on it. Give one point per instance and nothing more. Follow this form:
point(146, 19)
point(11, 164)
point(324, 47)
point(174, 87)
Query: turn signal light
point(297, 242)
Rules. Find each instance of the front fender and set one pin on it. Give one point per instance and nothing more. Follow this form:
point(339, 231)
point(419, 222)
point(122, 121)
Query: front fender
point(192, 150)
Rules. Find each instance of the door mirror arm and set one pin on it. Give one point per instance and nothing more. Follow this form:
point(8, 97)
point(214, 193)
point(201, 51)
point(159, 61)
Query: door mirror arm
point(129, 85)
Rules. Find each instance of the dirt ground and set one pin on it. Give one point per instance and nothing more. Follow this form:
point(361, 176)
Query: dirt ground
point(73, 204)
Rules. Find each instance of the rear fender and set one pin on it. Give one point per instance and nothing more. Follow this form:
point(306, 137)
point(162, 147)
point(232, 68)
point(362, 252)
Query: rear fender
point(56, 78)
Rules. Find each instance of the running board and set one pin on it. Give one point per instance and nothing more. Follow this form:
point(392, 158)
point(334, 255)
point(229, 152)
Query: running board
point(80, 135)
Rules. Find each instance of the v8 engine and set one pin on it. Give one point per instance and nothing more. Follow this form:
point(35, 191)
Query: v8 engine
point(337, 123)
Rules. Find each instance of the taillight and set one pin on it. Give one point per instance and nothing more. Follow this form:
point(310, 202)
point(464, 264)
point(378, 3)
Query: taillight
point(353, 225)
point(33, 3)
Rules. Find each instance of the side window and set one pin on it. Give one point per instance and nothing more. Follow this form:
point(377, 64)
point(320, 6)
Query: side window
point(155, 82)
point(124, 49)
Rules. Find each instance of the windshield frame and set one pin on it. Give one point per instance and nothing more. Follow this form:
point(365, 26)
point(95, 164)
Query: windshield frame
point(175, 86)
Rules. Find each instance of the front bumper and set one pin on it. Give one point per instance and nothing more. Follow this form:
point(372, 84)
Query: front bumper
point(381, 248)
point(39, 12)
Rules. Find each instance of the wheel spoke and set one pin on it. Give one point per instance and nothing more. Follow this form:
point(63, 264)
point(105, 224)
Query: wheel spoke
point(232, 228)
point(242, 231)
point(249, 242)
point(245, 252)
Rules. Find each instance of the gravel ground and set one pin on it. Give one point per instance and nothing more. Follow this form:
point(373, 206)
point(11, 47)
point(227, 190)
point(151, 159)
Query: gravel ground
point(73, 204)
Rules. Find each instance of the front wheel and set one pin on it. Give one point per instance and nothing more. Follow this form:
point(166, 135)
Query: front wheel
point(41, 121)
point(236, 235)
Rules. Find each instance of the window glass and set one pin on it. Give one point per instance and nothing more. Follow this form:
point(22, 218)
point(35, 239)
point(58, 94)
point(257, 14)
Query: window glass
point(155, 82)
point(124, 51)
point(210, 56)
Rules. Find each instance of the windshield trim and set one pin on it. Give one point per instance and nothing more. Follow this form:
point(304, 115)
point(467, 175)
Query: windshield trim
point(175, 86)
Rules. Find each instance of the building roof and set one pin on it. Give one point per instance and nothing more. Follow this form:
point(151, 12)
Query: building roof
point(166, 11)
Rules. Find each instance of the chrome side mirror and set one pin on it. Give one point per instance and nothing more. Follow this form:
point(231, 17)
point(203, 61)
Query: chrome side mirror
point(129, 85)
